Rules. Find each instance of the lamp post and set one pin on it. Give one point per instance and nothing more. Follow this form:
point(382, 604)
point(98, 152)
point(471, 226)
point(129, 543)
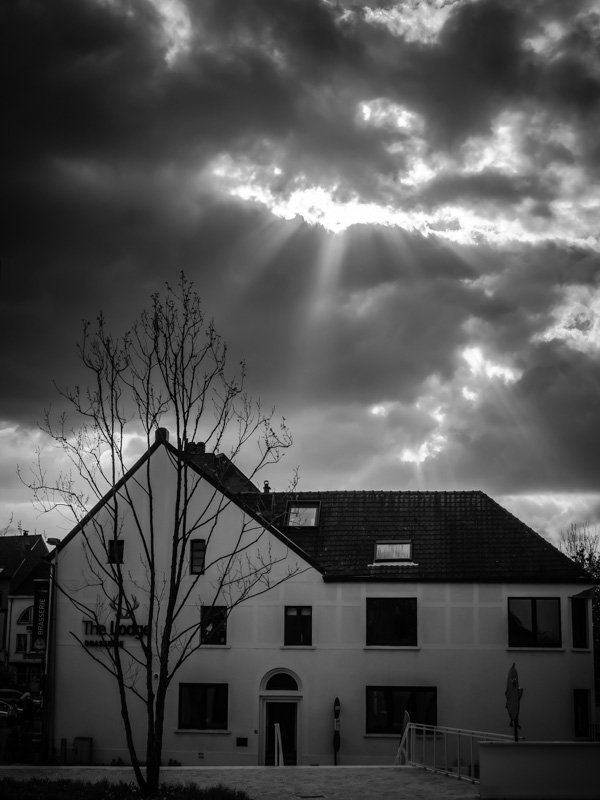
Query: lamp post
point(336, 729)
point(49, 678)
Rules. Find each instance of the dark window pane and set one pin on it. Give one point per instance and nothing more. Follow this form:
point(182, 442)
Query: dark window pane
point(197, 556)
point(534, 622)
point(203, 706)
point(282, 681)
point(115, 551)
point(579, 621)
point(386, 706)
point(520, 623)
point(213, 625)
point(547, 621)
point(298, 626)
point(392, 621)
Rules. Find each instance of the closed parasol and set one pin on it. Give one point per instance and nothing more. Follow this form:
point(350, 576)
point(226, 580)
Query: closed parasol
point(513, 699)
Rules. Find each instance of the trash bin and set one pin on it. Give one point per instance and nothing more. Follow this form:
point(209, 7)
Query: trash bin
point(82, 750)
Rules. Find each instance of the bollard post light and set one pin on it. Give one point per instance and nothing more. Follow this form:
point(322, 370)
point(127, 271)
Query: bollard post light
point(336, 728)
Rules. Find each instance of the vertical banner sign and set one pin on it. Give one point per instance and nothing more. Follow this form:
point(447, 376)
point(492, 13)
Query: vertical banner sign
point(40, 620)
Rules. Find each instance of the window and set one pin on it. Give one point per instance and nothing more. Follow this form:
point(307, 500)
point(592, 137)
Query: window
point(203, 706)
point(386, 706)
point(21, 645)
point(197, 556)
point(298, 625)
point(303, 515)
point(393, 551)
point(534, 622)
point(281, 682)
point(581, 712)
point(392, 621)
point(213, 625)
point(26, 616)
point(115, 551)
point(579, 622)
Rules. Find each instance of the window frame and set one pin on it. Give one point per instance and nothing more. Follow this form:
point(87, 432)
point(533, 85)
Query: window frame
point(293, 633)
point(219, 688)
point(580, 627)
point(519, 640)
point(410, 638)
point(198, 545)
point(115, 551)
point(300, 504)
point(394, 728)
point(22, 643)
point(220, 613)
point(392, 559)
point(26, 616)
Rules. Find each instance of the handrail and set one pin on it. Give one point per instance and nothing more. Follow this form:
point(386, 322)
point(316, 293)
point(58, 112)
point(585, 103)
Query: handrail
point(458, 756)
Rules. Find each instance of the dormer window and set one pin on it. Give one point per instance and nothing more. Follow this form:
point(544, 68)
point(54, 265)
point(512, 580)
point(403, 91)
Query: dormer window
point(393, 551)
point(303, 515)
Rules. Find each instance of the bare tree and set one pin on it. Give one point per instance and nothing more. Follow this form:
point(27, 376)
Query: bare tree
point(170, 368)
point(8, 527)
point(581, 543)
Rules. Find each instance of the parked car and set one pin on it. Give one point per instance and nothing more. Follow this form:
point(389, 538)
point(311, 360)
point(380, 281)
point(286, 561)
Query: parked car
point(10, 695)
point(8, 711)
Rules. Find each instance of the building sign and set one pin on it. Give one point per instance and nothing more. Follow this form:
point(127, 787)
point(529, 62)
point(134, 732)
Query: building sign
point(40, 620)
point(111, 634)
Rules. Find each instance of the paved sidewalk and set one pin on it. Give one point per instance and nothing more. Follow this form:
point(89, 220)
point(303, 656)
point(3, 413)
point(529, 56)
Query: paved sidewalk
point(287, 783)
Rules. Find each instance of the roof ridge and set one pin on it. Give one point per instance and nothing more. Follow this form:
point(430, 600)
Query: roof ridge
point(380, 491)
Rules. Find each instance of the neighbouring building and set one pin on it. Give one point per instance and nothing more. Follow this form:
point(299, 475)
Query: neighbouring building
point(24, 572)
point(386, 600)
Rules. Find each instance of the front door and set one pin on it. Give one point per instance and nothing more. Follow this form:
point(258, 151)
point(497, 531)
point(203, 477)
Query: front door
point(285, 714)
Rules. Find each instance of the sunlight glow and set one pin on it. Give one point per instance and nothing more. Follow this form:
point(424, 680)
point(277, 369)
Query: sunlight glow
point(414, 20)
point(177, 27)
point(496, 188)
point(429, 448)
point(378, 411)
point(479, 365)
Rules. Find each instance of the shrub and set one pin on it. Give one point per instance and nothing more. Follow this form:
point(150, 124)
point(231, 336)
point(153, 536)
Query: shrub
point(38, 789)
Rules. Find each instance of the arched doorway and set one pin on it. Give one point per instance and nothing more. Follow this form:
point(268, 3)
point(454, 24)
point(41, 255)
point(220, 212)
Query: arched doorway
point(280, 707)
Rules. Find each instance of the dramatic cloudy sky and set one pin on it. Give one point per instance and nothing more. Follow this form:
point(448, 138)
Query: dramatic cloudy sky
point(390, 208)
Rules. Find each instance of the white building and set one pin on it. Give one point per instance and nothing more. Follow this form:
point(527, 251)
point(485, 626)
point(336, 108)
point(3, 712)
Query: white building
point(389, 601)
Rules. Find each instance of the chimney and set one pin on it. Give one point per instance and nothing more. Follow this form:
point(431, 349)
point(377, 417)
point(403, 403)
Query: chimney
point(195, 448)
point(266, 487)
point(161, 435)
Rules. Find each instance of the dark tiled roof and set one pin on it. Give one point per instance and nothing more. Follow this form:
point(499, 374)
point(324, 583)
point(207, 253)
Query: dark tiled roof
point(456, 536)
point(26, 585)
point(17, 553)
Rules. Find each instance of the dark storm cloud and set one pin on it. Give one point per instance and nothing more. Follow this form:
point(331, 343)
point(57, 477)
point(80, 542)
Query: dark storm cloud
point(536, 435)
point(476, 67)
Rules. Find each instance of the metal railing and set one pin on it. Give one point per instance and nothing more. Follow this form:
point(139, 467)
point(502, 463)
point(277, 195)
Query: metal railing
point(449, 751)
